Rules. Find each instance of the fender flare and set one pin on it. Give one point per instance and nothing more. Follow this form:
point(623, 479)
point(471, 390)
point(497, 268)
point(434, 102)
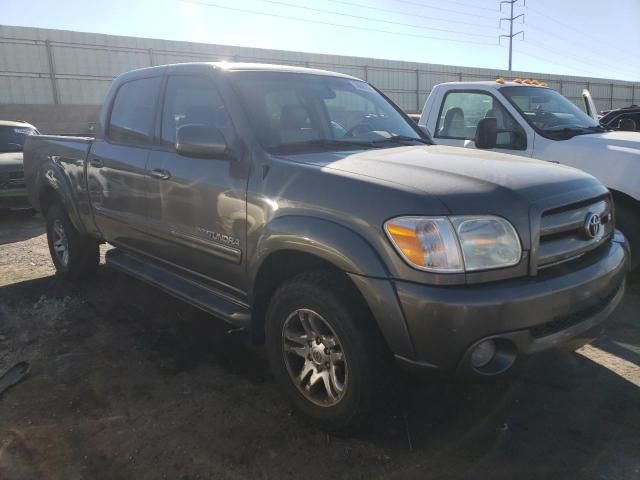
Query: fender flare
point(349, 252)
point(53, 176)
point(330, 241)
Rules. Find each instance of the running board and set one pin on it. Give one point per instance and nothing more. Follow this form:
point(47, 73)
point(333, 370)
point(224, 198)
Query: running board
point(217, 304)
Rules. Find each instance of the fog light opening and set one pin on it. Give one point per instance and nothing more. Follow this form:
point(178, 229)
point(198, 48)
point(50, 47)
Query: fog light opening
point(483, 353)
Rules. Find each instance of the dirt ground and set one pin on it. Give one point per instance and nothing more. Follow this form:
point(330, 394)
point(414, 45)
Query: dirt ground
point(129, 383)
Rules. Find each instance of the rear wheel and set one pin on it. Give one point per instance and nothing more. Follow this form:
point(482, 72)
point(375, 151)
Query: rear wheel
point(628, 222)
point(74, 255)
point(325, 353)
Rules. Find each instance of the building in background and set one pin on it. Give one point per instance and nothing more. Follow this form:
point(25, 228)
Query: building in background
point(57, 79)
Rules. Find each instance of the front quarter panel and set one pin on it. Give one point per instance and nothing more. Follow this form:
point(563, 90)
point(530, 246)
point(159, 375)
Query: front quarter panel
point(613, 158)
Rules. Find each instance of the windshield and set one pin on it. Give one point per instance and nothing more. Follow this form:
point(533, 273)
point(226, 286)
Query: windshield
point(12, 138)
point(292, 110)
point(549, 112)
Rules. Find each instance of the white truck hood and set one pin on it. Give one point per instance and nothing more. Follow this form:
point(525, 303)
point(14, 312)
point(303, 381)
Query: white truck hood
point(612, 157)
point(607, 140)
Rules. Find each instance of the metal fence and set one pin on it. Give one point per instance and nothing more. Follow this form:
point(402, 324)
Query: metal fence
point(55, 67)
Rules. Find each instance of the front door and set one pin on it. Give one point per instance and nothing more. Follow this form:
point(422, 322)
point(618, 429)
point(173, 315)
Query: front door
point(116, 171)
point(463, 109)
point(198, 206)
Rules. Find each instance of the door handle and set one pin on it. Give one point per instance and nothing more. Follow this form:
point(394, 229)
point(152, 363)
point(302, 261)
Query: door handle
point(96, 163)
point(160, 174)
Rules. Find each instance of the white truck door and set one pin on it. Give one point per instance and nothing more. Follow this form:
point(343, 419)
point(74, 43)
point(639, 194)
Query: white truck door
point(460, 109)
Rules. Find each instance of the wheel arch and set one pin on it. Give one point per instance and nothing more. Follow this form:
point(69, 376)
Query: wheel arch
point(625, 199)
point(293, 245)
point(54, 188)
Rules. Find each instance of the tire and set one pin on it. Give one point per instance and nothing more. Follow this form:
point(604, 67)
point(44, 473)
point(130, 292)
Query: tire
point(341, 321)
point(628, 222)
point(74, 255)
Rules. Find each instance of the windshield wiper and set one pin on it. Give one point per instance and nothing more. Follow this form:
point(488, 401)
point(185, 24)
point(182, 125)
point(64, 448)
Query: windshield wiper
point(323, 143)
point(399, 139)
point(600, 128)
point(568, 132)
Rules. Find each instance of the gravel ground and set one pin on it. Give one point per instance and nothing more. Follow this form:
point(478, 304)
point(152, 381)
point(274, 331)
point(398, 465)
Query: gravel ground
point(129, 383)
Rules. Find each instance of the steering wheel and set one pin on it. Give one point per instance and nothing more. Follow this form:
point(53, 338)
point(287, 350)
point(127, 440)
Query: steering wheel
point(358, 129)
point(546, 119)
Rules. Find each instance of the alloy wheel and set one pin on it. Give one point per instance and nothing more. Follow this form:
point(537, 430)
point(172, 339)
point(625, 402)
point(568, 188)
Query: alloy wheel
point(314, 357)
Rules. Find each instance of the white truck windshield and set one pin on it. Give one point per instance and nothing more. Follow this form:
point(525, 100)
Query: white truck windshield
point(549, 112)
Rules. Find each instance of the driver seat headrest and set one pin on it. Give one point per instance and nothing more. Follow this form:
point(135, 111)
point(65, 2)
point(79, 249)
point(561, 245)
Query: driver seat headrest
point(294, 116)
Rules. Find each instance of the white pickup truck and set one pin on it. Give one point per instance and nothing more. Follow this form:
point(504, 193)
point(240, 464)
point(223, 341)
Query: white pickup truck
point(538, 122)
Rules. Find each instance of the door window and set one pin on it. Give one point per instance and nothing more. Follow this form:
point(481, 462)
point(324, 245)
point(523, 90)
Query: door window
point(133, 112)
point(631, 116)
point(192, 100)
point(461, 112)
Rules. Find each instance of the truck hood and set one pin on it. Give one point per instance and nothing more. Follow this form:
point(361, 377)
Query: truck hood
point(10, 161)
point(609, 140)
point(465, 181)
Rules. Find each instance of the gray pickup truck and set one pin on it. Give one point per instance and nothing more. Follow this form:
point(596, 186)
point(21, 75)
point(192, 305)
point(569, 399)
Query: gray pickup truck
point(304, 206)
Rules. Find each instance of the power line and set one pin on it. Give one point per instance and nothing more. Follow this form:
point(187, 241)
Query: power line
point(422, 5)
point(428, 17)
point(602, 55)
point(587, 34)
point(583, 60)
point(361, 17)
point(320, 22)
point(564, 64)
point(466, 5)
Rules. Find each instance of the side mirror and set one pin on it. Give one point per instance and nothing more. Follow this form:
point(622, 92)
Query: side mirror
point(487, 133)
point(201, 141)
point(627, 125)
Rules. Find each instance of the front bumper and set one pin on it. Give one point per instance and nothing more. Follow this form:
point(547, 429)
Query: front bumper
point(564, 306)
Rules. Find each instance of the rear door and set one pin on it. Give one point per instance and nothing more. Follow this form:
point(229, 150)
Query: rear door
point(116, 171)
point(198, 206)
point(459, 114)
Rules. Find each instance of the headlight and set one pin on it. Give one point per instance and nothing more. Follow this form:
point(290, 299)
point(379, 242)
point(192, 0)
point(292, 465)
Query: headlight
point(455, 244)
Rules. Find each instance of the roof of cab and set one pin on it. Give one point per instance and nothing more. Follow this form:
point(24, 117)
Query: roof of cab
point(236, 66)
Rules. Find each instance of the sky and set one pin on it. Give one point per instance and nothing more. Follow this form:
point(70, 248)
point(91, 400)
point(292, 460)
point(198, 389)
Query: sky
point(594, 38)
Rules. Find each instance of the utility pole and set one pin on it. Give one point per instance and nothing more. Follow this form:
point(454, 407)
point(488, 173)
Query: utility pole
point(511, 19)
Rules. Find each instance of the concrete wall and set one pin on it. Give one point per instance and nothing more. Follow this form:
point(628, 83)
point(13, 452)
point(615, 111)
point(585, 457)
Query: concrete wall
point(72, 71)
point(54, 119)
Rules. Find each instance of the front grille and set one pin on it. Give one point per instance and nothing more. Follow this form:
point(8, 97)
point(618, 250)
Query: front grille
point(563, 235)
point(568, 321)
point(12, 179)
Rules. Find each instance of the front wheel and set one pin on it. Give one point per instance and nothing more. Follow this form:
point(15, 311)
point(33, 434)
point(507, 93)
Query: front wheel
point(324, 351)
point(74, 255)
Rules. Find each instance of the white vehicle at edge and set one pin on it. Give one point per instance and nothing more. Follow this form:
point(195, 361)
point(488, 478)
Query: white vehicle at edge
point(538, 122)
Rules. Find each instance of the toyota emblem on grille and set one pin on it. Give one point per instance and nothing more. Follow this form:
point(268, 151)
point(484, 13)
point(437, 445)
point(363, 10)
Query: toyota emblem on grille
point(592, 225)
